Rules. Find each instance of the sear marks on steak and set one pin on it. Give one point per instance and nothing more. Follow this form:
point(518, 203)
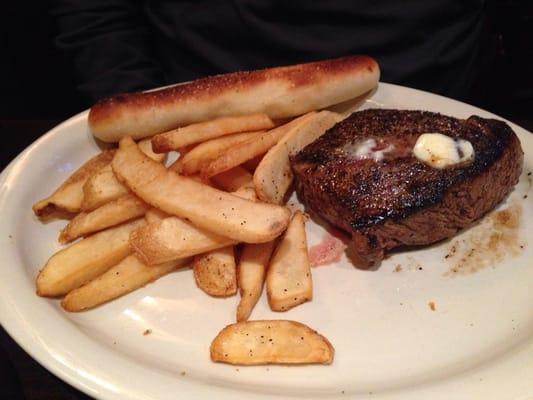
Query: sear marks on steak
point(394, 199)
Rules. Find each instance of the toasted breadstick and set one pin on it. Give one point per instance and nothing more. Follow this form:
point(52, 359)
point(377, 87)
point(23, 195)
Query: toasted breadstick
point(202, 131)
point(278, 92)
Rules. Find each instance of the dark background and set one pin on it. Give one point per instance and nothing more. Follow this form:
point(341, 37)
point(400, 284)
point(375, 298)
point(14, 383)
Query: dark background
point(37, 91)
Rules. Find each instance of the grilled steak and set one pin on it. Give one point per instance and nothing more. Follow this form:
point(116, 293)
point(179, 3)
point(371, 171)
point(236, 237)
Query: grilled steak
point(398, 200)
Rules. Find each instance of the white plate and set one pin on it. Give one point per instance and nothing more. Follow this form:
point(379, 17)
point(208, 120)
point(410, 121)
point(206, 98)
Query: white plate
point(478, 343)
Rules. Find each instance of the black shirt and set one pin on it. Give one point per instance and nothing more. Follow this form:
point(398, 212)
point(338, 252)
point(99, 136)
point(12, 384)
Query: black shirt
point(121, 45)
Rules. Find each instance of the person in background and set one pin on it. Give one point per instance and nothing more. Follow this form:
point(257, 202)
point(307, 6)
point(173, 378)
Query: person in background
point(126, 45)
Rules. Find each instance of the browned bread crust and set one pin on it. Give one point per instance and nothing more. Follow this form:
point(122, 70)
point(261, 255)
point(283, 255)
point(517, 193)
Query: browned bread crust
point(279, 92)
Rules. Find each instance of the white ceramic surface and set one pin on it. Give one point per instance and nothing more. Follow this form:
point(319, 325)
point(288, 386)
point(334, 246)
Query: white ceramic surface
point(477, 343)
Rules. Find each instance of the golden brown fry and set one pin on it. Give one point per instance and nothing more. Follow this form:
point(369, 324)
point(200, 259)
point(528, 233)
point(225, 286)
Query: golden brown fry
point(155, 215)
point(69, 196)
point(162, 241)
point(173, 238)
point(115, 212)
point(251, 276)
point(271, 342)
point(145, 146)
point(289, 281)
point(193, 161)
point(85, 260)
point(126, 276)
point(233, 179)
point(215, 272)
point(251, 148)
point(103, 186)
point(202, 131)
point(207, 208)
point(246, 192)
point(273, 176)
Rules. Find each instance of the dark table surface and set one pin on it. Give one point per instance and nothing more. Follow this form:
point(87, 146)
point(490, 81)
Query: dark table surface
point(21, 377)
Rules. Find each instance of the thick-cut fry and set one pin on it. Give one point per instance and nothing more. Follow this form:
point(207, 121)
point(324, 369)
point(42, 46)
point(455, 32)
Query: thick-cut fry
point(233, 179)
point(193, 161)
point(215, 272)
point(173, 238)
point(145, 146)
point(251, 148)
point(202, 131)
point(126, 276)
point(155, 215)
point(69, 196)
point(103, 186)
point(289, 281)
point(246, 192)
point(273, 175)
point(85, 260)
point(206, 207)
point(271, 342)
point(251, 276)
point(115, 212)
point(161, 241)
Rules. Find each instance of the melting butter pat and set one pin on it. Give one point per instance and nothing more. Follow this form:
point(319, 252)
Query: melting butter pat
point(441, 151)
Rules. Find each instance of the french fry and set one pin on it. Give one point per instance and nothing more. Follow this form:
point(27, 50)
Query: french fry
point(145, 146)
point(219, 212)
point(273, 176)
point(85, 260)
point(155, 215)
point(251, 148)
point(251, 276)
point(69, 196)
point(233, 179)
point(289, 281)
point(271, 342)
point(215, 272)
point(115, 212)
point(172, 238)
point(194, 160)
point(202, 131)
point(159, 241)
point(246, 192)
point(123, 278)
point(103, 186)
